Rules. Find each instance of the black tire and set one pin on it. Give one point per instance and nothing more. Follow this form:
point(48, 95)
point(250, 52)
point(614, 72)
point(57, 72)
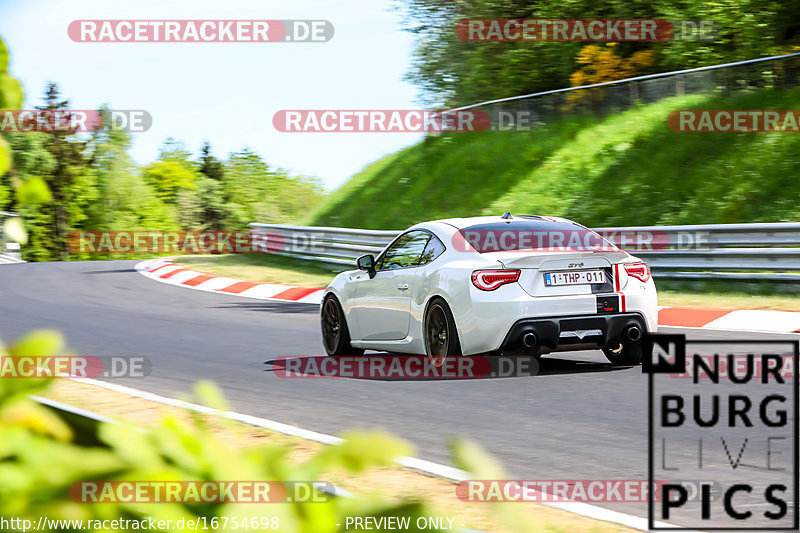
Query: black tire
point(335, 335)
point(441, 335)
point(628, 355)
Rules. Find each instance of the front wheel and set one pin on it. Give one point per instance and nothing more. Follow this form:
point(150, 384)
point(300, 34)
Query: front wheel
point(335, 335)
point(441, 336)
point(624, 354)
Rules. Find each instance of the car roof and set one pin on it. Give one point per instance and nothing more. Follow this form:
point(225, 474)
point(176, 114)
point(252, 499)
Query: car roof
point(460, 223)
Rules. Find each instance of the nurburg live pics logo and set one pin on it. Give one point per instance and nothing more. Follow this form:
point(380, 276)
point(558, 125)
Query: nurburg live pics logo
point(734, 421)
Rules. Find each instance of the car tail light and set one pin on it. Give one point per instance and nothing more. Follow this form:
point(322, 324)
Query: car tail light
point(640, 270)
point(489, 280)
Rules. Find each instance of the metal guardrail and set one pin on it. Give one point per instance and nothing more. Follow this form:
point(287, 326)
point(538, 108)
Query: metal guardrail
point(85, 425)
point(634, 79)
point(529, 111)
point(760, 251)
point(6, 258)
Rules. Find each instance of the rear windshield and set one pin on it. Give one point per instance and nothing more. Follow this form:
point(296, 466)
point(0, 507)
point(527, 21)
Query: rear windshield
point(530, 236)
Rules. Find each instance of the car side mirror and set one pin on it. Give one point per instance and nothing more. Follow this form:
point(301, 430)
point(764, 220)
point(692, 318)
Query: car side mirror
point(367, 262)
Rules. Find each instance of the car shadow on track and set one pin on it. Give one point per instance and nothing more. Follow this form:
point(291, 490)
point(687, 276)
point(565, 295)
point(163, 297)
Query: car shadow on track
point(273, 306)
point(553, 366)
point(402, 367)
point(115, 271)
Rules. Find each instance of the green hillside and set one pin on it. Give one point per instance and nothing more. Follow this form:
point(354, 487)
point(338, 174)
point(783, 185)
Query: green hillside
point(625, 169)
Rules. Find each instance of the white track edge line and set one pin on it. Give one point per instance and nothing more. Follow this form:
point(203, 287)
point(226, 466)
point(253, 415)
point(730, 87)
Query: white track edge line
point(443, 471)
point(703, 328)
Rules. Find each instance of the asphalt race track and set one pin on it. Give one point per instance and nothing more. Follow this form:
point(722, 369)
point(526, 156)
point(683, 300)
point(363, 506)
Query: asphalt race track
point(577, 419)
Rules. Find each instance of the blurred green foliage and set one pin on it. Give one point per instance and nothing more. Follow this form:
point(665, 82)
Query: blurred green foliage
point(11, 97)
point(625, 169)
point(11, 93)
point(39, 462)
point(452, 72)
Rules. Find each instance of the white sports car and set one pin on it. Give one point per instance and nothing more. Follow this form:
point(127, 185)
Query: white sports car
point(512, 284)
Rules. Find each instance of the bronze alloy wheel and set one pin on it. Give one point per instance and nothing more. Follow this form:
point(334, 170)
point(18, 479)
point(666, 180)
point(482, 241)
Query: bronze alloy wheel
point(335, 335)
point(436, 335)
point(331, 325)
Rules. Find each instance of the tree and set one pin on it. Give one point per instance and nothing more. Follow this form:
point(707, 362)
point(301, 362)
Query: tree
point(255, 193)
point(211, 166)
point(169, 178)
point(31, 161)
point(451, 72)
point(125, 200)
point(71, 181)
point(245, 187)
point(213, 205)
point(600, 64)
point(172, 173)
point(11, 97)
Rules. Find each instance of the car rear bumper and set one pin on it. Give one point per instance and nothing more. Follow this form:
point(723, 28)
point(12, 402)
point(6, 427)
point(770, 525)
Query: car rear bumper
point(485, 318)
point(571, 332)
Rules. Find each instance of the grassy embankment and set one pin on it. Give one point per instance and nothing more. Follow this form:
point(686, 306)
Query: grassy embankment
point(625, 169)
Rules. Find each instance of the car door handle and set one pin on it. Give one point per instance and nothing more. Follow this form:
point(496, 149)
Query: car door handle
point(402, 287)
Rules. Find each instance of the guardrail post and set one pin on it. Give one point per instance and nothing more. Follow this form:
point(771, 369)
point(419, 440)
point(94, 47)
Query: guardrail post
point(10, 251)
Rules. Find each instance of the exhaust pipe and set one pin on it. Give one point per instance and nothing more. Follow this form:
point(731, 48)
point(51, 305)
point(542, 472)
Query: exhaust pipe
point(633, 333)
point(530, 340)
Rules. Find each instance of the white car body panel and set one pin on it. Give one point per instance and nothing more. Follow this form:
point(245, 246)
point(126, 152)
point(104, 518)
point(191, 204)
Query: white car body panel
point(382, 317)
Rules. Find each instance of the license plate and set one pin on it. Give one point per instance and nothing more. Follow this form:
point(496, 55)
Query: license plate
point(584, 277)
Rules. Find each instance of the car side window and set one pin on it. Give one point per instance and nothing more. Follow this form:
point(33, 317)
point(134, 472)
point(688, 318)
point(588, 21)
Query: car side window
point(432, 250)
point(405, 251)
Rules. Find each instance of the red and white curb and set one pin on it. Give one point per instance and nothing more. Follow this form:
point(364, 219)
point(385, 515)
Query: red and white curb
point(165, 271)
point(730, 319)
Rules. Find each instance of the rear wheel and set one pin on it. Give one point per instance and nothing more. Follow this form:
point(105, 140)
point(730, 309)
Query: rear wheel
point(624, 354)
point(441, 336)
point(335, 335)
